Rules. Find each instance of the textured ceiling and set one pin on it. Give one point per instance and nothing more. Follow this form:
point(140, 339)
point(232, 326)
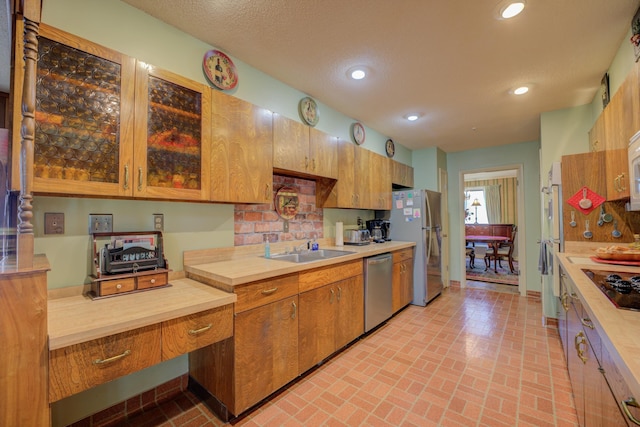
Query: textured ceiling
point(452, 61)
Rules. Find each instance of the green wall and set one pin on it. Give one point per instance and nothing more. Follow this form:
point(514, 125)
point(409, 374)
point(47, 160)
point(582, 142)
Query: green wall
point(188, 226)
point(525, 154)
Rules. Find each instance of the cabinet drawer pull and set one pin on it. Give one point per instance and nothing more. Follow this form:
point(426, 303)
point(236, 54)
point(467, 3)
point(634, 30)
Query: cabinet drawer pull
point(126, 177)
point(152, 281)
point(333, 294)
point(267, 194)
point(630, 402)
point(306, 162)
point(269, 291)
point(140, 179)
point(587, 322)
point(578, 340)
point(112, 359)
point(563, 300)
point(294, 311)
point(339, 293)
point(201, 330)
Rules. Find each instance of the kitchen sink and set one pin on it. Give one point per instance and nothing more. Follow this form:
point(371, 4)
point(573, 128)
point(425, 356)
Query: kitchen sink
point(309, 256)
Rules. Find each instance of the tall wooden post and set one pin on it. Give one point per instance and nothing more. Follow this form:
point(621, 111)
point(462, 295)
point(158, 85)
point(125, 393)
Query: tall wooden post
point(25, 239)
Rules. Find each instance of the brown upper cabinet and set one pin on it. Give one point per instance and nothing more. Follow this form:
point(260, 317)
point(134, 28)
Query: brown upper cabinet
point(89, 100)
point(172, 136)
point(301, 149)
point(241, 151)
point(401, 174)
point(611, 133)
point(364, 180)
point(84, 117)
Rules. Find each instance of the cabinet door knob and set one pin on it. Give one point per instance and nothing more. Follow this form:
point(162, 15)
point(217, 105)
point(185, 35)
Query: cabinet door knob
point(630, 402)
point(294, 309)
point(139, 179)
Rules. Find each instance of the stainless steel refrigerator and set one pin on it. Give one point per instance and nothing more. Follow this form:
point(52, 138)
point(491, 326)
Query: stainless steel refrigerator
point(416, 217)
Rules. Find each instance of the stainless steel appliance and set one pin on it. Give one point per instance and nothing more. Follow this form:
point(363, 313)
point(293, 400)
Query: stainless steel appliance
point(634, 172)
point(386, 229)
point(378, 271)
point(551, 241)
point(357, 237)
point(416, 217)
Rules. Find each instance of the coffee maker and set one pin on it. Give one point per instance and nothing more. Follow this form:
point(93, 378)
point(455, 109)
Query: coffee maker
point(375, 229)
point(386, 229)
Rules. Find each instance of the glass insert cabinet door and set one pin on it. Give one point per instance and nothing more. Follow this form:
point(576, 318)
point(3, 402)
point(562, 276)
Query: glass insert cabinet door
point(83, 117)
point(172, 130)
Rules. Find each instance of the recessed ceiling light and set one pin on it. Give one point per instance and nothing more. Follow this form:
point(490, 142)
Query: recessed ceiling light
point(358, 74)
point(511, 9)
point(412, 117)
point(521, 90)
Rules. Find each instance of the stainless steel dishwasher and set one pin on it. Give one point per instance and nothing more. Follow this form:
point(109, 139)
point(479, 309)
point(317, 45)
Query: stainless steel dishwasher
point(378, 271)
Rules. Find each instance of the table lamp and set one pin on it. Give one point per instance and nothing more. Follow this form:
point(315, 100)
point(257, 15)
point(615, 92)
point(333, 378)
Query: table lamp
point(476, 203)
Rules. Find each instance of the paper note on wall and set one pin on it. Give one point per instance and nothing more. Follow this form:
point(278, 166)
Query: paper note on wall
point(399, 204)
point(408, 212)
point(416, 213)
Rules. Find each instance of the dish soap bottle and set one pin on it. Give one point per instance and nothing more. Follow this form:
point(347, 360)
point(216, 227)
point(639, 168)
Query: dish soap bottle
point(267, 248)
point(314, 245)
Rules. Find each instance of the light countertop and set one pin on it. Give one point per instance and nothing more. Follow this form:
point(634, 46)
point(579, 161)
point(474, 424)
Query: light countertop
point(78, 318)
point(240, 268)
point(621, 327)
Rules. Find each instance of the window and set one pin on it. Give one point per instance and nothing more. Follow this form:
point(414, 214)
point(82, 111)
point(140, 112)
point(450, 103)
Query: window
point(470, 196)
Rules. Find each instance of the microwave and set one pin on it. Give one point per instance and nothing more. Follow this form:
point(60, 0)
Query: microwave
point(634, 173)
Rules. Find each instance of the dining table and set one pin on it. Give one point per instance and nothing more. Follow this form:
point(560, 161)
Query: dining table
point(492, 241)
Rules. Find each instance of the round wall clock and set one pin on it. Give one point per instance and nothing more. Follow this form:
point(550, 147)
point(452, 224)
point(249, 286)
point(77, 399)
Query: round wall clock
point(220, 70)
point(357, 131)
point(390, 147)
point(308, 110)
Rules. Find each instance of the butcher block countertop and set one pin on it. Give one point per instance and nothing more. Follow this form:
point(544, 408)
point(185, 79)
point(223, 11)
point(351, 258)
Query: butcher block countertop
point(229, 267)
point(77, 318)
point(620, 326)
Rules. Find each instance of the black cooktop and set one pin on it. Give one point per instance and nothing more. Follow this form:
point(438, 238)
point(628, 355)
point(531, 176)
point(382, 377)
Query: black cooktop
point(622, 289)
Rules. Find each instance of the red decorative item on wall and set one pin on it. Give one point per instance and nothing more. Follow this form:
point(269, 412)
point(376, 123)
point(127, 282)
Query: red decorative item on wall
point(583, 194)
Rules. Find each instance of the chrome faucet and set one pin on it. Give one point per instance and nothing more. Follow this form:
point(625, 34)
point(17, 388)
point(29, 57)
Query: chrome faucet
point(301, 247)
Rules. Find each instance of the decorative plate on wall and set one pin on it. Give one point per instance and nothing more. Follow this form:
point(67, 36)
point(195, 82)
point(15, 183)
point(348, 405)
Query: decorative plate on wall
point(308, 110)
point(357, 131)
point(390, 147)
point(220, 70)
point(287, 203)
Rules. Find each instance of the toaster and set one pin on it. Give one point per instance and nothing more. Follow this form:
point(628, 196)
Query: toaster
point(357, 237)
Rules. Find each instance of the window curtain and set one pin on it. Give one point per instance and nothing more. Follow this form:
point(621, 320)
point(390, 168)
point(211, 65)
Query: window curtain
point(508, 200)
point(492, 198)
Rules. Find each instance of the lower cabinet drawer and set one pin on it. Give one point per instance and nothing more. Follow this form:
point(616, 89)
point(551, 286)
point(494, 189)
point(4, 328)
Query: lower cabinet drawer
point(188, 333)
point(151, 281)
point(79, 367)
point(113, 287)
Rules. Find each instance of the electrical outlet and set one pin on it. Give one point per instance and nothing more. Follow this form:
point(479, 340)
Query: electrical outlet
point(158, 222)
point(53, 223)
point(100, 223)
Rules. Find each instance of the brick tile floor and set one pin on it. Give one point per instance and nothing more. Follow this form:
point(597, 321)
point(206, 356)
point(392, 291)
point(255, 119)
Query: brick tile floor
point(472, 357)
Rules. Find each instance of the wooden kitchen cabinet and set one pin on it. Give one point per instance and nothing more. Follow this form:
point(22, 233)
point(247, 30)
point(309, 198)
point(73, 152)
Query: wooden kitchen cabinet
point(266, 351)
point(262, 355)
point(301, 149)
point(84, 117)
point(78, 367)
point(241, 151)
point(402, 282)
point(331, 317)
point(106, 125)
point(589, 369)
point(401, 174)
point(364, 180)
point(194, 331)
point(171, 158)
point(380, 181)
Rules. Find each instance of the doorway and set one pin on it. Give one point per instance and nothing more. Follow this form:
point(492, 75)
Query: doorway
point(492, 196)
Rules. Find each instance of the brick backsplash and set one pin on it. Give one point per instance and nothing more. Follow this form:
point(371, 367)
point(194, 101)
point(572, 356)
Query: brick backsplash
point(254, 223)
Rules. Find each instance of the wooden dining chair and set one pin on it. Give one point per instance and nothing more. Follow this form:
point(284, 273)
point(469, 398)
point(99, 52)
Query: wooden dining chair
point(505, 251)
point(472, 256)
